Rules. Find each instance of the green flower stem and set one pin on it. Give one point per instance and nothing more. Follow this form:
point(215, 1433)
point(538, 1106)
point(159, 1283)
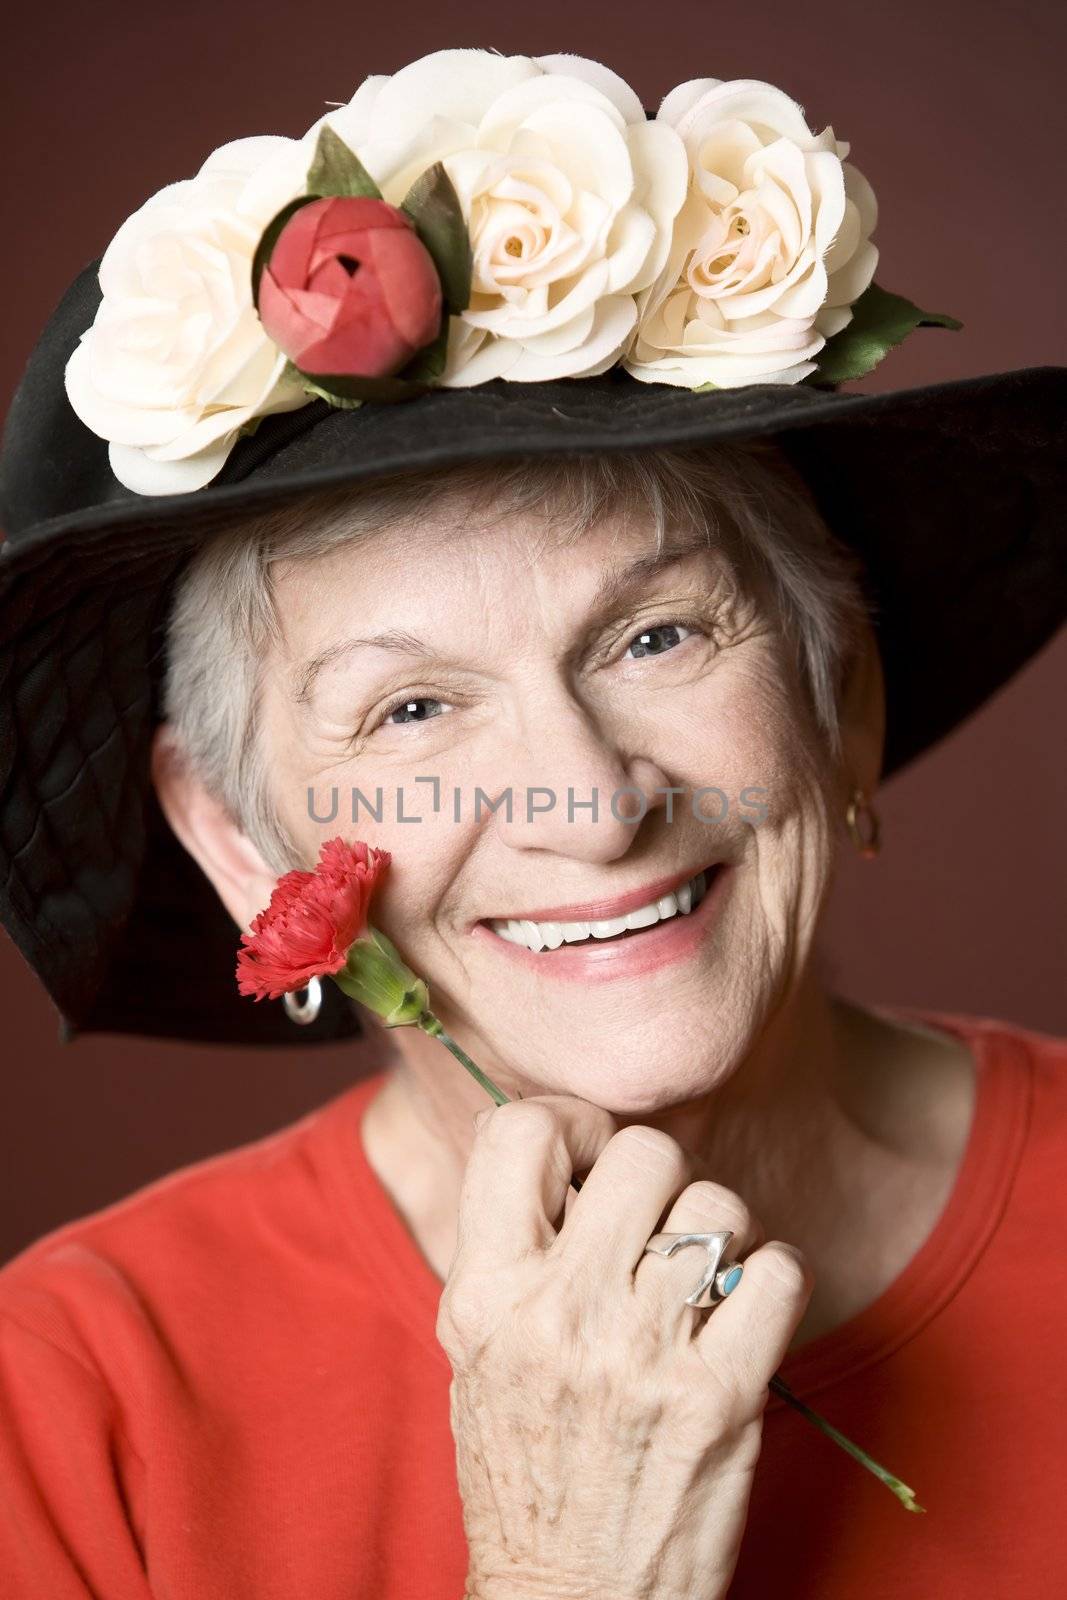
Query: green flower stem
point(430, 1025)
point(905, 1495)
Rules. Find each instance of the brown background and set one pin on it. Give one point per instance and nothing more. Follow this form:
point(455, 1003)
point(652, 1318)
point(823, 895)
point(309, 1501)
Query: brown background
point(954, 113)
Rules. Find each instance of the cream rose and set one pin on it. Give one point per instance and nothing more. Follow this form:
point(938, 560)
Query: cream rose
point(177, 359)
point(568, 191)
point(770, 249)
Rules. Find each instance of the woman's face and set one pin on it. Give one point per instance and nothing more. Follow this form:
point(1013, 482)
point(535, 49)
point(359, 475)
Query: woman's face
point(507, 660)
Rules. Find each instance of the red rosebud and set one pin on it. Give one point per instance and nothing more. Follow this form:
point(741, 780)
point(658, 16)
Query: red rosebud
point(311, 922)
point(350, 289)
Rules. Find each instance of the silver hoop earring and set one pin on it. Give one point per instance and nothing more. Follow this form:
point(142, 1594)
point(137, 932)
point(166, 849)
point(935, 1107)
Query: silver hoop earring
point(306, 1010)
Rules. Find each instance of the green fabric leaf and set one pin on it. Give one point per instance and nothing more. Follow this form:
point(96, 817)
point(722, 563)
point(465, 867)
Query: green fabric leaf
point(345, 391)
point(427, 365)
point(270, 238)
point(433, 206)
point(341, 402)
point(880, 320)
point(337, 170)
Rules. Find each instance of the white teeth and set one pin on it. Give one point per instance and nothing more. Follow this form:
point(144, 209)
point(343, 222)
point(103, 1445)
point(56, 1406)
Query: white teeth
point(644, 918)
point(538, 936)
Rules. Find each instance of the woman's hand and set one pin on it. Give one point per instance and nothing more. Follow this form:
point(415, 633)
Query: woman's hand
point(606, 1432)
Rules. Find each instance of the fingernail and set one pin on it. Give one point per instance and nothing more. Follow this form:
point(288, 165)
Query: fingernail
point(480, 1116)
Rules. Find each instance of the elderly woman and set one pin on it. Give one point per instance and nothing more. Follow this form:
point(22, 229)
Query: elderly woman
point(612, 671)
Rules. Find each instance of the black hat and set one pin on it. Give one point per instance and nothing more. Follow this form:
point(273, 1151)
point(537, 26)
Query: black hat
point(951, 494)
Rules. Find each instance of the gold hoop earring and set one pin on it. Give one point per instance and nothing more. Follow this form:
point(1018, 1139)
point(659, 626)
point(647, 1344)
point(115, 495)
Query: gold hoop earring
point(868, 843)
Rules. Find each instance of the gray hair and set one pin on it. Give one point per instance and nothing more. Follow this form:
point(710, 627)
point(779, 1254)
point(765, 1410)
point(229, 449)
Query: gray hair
point(743, 497)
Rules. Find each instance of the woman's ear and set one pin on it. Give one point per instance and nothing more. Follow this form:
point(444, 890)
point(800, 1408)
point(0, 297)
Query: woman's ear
point(862, 715)
point(241, 877)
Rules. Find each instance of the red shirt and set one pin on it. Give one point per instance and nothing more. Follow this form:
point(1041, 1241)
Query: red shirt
point(227, 1386)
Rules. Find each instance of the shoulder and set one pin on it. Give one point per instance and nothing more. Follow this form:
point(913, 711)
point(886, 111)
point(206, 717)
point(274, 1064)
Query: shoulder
point(201, 1234)
point(1019, 1073)
point(994, 1042)
point(1037, 1061)
point(1022, 1097)
point(1016, 1062)
point(997, 1042)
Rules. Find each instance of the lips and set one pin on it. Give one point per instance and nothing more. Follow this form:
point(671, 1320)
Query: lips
point(538, 936)
point(610, 954)
point(604, 910)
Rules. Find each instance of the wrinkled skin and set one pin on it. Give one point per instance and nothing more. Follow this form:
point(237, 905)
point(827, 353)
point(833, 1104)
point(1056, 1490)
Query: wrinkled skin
point(606, 1432)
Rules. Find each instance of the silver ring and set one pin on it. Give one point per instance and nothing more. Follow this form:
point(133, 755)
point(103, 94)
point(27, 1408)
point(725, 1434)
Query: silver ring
point(720, 1278)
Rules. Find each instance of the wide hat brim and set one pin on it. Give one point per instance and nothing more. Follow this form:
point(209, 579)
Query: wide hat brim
point(952, 495)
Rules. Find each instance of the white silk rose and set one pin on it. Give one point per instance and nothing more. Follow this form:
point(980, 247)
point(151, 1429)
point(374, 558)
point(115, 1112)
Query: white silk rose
point(770, 250)
point(721, 243)
point(177, 361)
point(568, 191)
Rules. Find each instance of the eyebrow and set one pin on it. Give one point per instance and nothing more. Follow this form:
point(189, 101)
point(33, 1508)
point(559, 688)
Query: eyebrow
point(391, 639)
point(614, 587)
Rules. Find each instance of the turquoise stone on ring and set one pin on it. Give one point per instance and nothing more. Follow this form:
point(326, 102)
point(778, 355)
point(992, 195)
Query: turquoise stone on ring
point(718, 1280)
point(727, 1280)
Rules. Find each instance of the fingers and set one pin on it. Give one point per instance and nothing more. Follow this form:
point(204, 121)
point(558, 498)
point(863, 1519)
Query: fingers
point(706, 1207)
point(519, 1169)
point(516, 1186)
point(637, 1175)
point(746, 1336)
point(703, 1207)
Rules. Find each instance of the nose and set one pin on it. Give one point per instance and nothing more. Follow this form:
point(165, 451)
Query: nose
point(575, 791)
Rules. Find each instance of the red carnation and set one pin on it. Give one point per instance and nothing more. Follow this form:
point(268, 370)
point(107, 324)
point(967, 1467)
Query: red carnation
point(311, 922)
point(350, 289)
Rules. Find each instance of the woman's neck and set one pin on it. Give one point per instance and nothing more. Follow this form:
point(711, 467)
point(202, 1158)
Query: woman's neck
point(843, 1132)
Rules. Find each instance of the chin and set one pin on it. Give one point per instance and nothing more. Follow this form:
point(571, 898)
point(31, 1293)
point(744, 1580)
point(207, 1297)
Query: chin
point(633, 1072)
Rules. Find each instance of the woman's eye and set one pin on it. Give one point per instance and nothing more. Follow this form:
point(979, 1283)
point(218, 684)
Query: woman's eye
point(649, 642)
point(412, 710)
point(658, 640)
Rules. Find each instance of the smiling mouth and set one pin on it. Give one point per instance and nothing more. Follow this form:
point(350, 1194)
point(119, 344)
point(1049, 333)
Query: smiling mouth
point(541, 936)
